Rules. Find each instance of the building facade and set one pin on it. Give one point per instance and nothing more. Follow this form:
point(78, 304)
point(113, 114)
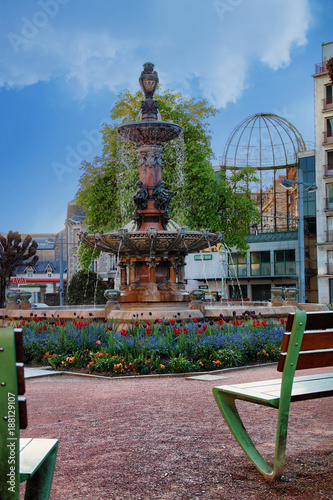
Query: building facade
point(324, 174)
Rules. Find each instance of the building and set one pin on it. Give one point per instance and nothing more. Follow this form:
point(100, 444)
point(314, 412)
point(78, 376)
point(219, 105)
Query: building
point(323, 105)
point(105, 265)
point(45, 279)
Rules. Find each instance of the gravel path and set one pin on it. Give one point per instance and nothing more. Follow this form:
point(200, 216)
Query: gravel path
point(164, 438)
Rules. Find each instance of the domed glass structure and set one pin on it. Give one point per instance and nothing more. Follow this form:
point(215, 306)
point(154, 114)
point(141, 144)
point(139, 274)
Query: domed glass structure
point(270, 144)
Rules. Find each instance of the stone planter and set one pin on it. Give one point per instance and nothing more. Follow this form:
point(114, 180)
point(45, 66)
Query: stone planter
point(112, 297)
point(197, 297)
point(12, 300)
point(24, 298)
point(291, 295)
point(277, 299)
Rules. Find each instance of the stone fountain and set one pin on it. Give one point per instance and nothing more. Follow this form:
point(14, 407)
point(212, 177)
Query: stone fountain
point(152, 248)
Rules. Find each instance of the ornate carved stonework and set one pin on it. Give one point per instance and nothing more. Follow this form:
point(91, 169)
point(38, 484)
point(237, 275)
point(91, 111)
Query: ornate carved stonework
point(149, 109)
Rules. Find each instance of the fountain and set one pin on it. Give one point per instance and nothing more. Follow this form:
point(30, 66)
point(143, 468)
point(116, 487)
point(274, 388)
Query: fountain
point(151, 249)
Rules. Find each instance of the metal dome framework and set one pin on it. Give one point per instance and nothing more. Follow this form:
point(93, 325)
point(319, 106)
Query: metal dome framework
point(270, 144)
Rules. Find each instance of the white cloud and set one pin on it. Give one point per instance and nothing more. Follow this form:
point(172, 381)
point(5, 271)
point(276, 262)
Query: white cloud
point(217, 45)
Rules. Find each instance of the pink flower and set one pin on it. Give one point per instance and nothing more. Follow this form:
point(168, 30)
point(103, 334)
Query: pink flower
point(98, 342)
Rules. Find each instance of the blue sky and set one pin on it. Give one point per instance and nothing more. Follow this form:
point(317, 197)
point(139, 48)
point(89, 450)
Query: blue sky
point(63, 62)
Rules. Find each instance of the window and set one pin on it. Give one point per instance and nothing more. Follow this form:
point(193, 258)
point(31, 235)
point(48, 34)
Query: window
point(329, 229)
point(261, 293)
point(237, 265)
point(328, 94)
point(113, 263)
point(238, 292)
point(330, 262)
point(260, 264)
point(30, 272)
point(284, 262)
point(330, 196)
point(330, 159)
point(329, 127)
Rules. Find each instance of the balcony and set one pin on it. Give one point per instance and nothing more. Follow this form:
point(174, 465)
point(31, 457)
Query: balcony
point(321, 68)
point(329, 236)
point(327, 104)
point(327, 137)
point(328, 170)
point(328, 204)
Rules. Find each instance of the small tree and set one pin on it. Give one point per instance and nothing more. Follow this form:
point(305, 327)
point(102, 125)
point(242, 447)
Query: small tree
point(330, 69)
point(85, 287)
point(12, 255)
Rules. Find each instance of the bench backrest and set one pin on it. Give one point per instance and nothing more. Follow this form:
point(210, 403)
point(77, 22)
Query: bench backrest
point(13, 409)
point(316, 340)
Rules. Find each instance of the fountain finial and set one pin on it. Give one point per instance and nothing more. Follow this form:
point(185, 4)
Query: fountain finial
point(148, 80)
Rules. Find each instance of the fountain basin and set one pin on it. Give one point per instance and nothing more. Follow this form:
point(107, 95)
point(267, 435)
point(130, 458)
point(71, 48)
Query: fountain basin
point(152, 242)
point(152, 132)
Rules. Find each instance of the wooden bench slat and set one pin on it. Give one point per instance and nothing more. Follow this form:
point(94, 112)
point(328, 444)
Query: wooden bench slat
point(19, 345)
point(20, 378)
point(23, 414)
point(311, 340)
point(309, 359)
point(318, 320)
point(268, 393)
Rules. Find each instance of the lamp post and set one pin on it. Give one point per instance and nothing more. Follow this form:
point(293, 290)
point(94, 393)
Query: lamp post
point(310, 188)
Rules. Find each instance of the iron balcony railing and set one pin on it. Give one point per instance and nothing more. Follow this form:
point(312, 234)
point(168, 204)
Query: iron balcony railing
point(321, 67)
point(328, 170)
point(327, 103)
point(327, 137)
point(328, 204)
point(329, 236)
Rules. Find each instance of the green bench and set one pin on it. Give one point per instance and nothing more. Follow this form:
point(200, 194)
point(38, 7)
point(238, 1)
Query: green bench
point(307, 343)
point(31, 460)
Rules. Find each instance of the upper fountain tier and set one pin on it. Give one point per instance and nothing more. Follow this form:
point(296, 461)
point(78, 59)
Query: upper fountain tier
point(150, 130)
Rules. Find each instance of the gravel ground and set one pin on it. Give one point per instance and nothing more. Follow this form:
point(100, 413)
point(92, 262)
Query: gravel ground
point(164, 438)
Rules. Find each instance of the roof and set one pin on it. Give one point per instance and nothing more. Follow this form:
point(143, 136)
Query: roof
point(41, 266)
point(75, 212)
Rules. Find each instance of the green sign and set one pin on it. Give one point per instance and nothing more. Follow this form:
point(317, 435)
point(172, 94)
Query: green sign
point(204, 256)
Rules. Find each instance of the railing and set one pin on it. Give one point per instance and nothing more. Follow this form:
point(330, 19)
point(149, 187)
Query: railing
point(329, 236)
point(328, 170)
point(328, 137)
point(328, 204)
point(330, 268)
point(321, 68)
point(327, 103)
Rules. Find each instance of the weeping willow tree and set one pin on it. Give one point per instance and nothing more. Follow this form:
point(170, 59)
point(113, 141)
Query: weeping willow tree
point(107, 184)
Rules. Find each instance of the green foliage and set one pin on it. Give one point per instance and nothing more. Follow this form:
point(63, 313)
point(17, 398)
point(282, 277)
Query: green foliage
point(107, 185)
point(86, 287)
point(330, 69)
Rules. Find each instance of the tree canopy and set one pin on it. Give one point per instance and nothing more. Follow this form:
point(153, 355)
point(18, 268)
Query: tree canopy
point(204, 200)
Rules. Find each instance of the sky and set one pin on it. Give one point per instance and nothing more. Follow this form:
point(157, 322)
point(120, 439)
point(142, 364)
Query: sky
point(63, 63)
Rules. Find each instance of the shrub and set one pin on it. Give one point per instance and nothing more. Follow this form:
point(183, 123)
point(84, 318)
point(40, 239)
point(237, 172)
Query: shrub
point(86, 287)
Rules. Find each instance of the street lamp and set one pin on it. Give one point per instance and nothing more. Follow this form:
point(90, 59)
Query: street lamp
point(309, 188)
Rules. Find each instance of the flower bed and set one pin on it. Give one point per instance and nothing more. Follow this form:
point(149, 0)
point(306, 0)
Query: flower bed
point(146, 347)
